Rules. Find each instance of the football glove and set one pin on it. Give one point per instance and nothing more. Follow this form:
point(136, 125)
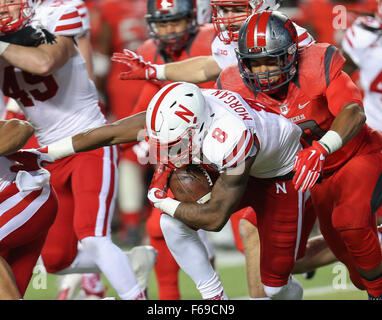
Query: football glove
point(29, 160)
point(29, 37)
point(158, 187)
point(137, 68)
point(308, 166)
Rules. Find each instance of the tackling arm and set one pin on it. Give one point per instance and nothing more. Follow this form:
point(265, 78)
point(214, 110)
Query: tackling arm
point(122, 131)
point(225, 196)
point(14, 134)
point(194, 70)
point(42, 60)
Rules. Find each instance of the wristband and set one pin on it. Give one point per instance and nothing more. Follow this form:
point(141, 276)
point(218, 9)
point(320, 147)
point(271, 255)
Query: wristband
point(61, 148)
point(3, 46)
point(161, 71)
point(168, 206)
point(331, 141)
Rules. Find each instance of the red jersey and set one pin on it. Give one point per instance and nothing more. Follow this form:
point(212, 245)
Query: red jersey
point(127, 21)
point(198, 45)
point(312, 100)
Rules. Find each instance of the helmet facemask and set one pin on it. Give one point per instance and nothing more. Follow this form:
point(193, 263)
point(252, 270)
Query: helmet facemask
point(12, 22)
point(262, 81)
point(173, 42)
point(227, 28)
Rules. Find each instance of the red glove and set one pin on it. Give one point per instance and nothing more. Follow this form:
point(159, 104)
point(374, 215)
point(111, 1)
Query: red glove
point(138, 69)
point(29, 160)
point(158, 187)
point(308, 166)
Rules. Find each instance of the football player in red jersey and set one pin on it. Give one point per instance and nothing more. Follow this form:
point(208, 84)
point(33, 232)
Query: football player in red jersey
point(342, 153)
point(175, 36)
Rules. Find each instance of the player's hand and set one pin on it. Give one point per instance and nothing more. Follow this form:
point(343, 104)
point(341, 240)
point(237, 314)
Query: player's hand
point(29, 160)
point(137, 68)
point(158, 187)
point(308, 166)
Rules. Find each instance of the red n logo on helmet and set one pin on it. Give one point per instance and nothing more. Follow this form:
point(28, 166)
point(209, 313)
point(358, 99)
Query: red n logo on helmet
point(184, 114)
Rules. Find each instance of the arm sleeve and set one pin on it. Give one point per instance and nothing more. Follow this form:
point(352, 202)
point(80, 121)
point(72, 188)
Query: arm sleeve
point(342, 90)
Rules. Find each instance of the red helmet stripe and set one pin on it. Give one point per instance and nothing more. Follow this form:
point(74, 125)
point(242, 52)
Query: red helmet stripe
point(251, 32)
point(160, 99)
point(262, 29)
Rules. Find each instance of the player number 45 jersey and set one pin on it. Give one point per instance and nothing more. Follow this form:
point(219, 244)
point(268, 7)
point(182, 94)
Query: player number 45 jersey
point(65, 102)
point(240, 129)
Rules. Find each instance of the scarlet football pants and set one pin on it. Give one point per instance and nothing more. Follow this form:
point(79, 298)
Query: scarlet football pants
point(86, 187)
point(346, 204)
point(25, 218)
point(279, 214)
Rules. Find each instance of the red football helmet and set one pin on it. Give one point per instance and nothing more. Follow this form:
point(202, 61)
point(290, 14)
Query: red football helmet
point(227, 25)
point(14, 15)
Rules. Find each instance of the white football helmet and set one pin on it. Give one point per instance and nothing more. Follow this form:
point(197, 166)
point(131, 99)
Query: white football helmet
point(14, 15)
point(224, 25)
point(176, 122)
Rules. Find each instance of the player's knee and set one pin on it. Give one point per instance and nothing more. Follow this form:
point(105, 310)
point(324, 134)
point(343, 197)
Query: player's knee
point(247, 230)
point(93, 245)
point(54, 262)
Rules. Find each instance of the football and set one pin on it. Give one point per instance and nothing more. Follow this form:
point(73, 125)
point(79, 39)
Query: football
point(190, 183)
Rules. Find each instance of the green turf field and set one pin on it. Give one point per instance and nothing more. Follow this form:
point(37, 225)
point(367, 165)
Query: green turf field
point(329, 283)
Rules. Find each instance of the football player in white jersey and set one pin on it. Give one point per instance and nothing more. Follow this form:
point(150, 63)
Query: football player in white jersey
point(51, 83)
point(28, 208)
point(218, 128)
point(227, 17)
point(362, 45)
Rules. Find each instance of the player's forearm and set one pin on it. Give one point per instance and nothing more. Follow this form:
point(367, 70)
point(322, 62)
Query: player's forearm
point(28, 59)
point(122, 131)
point(190, 70)
point(349, 121)
point(204, 216)
point(42, 60)
point(14, 134)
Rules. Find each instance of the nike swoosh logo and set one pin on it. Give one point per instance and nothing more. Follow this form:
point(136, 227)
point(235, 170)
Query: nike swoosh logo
point(303, 106)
